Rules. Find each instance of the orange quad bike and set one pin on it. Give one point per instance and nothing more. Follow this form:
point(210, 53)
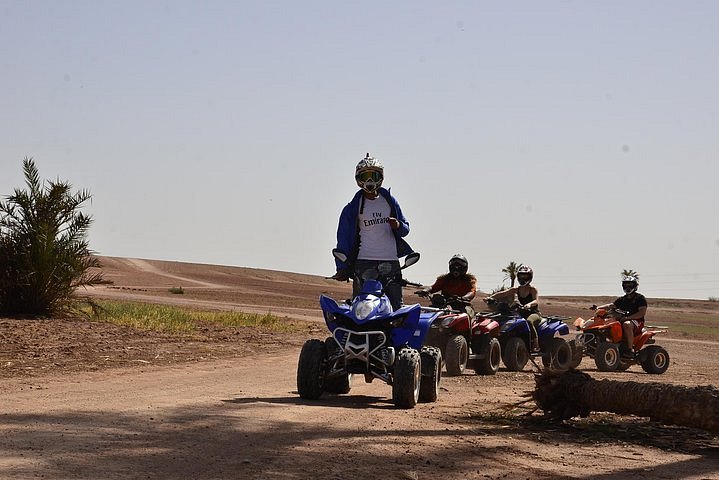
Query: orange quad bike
point(601, 337)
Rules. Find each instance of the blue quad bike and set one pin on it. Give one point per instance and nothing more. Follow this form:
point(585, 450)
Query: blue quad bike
point(370, 339)
point(514, 338)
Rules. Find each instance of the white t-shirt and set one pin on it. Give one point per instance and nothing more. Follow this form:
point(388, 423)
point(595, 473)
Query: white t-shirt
point(377, 241)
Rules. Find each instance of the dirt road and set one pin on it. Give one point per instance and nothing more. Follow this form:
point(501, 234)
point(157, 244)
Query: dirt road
point(240, 417)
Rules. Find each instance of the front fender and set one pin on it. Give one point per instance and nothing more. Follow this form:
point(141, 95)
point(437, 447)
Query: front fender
point(550, 329)
point(414, 328)
point(515, 325)
point(487, 325)
point(329, 308)
point(560, 328)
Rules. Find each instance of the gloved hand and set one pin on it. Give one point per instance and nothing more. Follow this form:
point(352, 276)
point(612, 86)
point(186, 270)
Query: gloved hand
point(456, 299)
point(341, 276)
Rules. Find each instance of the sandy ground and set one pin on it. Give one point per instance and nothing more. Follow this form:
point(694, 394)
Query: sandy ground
point(90, 400)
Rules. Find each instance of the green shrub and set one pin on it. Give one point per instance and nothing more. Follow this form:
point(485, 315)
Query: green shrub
point(44, 254)
point(177, 290)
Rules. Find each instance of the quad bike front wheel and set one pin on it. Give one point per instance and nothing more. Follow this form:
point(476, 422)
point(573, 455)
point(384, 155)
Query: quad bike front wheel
point(431, 366)
point(457, 355)
point(406, 379)
point(490, 353)
point(654, 359)
point(310, 369)
point(514, 354)
point(341, 383)
point(607, 357)
point(559, 356)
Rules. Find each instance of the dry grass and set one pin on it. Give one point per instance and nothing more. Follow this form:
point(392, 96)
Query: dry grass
point(176, 320)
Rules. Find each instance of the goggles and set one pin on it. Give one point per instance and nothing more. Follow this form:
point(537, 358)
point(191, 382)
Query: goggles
point(368, 175)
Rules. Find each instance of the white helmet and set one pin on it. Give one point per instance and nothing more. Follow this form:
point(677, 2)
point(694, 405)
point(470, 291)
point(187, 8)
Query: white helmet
point(629, 284)
point(369, 174)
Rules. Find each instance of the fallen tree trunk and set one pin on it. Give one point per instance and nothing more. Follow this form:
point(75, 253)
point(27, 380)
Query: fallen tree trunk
point(564, 395)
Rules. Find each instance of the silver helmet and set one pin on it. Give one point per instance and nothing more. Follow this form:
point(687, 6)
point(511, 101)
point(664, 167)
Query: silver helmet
point(458, 264)
point(369, 174)
point(629, 284)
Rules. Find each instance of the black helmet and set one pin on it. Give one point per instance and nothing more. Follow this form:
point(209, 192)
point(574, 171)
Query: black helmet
point(525, 274)
point(458, 264)
point(629, 284)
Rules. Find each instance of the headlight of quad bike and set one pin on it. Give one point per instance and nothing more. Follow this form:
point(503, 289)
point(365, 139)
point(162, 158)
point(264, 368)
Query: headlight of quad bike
point(447, 321)
point(364, 308)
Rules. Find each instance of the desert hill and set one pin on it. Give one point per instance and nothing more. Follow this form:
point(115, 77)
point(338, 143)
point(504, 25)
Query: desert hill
point(296, 294)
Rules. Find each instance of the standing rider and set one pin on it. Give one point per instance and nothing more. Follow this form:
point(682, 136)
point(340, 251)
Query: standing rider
point(370, 231)
point(528, 300)
point(635, 304)
point(457, 286)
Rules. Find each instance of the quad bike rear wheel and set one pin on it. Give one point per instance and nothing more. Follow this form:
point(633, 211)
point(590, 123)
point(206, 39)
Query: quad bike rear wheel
point(490, 353)
point(310, 369)
point(577, 353)
point(407, 378)
point(654, 359)
point(457, 355)
point(431, 365)
point(607, 357)
point(559, 356)
point(514, 354)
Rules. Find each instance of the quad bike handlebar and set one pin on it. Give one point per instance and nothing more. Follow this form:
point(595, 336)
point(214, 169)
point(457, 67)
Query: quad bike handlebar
point(448, 304)
point(340, 277)
point(514, 307)
point(437, 309)
point(448, 299)
point(616, 311)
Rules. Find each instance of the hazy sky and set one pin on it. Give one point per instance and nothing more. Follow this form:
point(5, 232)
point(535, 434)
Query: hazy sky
point(578, 137)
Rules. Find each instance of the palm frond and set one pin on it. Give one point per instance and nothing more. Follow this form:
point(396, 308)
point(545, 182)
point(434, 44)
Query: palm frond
point(44, 253)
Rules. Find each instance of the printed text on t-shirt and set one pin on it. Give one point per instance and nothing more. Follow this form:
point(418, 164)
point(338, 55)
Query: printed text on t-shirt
point(376, 220)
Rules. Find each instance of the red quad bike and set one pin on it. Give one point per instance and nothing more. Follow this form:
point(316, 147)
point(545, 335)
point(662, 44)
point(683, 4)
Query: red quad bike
point(602, 336)
point(464, 341)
